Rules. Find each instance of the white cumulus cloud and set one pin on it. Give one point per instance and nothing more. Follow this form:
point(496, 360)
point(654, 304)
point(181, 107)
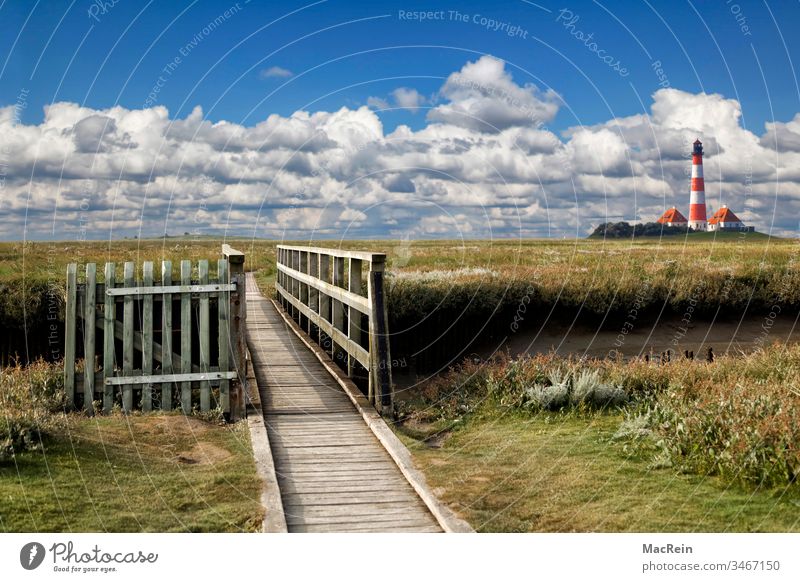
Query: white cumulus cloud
point(485, 164)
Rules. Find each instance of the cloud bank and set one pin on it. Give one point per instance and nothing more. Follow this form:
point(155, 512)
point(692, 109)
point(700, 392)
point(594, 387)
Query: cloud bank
point(484, 165)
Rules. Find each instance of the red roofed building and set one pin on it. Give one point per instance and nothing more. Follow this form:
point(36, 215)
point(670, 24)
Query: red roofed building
point(673, 217)
point(725, 219)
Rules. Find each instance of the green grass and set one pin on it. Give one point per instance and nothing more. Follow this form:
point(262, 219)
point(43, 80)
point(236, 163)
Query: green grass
point(155, 473)
point(560, 473)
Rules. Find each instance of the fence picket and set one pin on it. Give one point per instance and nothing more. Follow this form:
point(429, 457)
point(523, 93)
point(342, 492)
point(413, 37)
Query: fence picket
point(223, 300)
point(147, 337)
point(186, 337)
point(89, 337)
point(109, 317)
point(71, 323)
point(127, 339)
point(205, 343)
point(166, 336)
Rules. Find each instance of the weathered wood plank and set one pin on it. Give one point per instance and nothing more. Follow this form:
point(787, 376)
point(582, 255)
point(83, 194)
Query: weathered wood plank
point(204, 325)
point(238, 318)
point(166, 336)
point(210, 289)
point(158, 378)
point(109, 349)
point(363, 255)
point(127, 339)
point(71, 321)
point(223, 335)
point(147, 337)
point(344, 522)
point(186, 337)
point(348, 498)
point(341, 487)
point(363, 529)
point(326, 477)
point(89, 337)
point(354, 509)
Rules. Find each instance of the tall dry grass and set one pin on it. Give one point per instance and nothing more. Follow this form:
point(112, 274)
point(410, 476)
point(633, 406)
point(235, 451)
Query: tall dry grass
point(737, 417)
point(31, 406)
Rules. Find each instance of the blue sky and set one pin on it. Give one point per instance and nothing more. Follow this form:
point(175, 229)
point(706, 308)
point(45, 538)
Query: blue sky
point(117, 57)
point(335, 54)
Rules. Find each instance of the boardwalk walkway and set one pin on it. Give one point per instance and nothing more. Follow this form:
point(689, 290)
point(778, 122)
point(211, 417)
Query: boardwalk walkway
point(333, 473)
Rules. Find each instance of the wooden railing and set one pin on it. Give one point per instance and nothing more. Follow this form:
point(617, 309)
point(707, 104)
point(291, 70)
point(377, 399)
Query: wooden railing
point(156, 338)
point(324, 290)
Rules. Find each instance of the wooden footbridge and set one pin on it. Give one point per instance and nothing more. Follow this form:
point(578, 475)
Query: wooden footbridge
point(321, 379)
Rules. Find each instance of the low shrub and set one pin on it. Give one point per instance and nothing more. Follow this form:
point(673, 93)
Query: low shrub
point(743, 434)
point(31, 402)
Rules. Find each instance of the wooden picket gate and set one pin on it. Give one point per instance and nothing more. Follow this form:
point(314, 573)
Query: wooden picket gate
point(162, 336)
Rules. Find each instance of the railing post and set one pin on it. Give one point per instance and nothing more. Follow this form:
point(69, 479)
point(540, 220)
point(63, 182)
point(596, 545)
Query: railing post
point(353, 315)
point(324, 299)
point(303, 268)
point(238, 313)
point(338, 307)
point(313, 294)
point(235, 259)
point(381, 388)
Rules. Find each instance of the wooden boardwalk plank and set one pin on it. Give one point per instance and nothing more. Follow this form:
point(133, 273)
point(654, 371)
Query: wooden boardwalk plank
point(333, 473)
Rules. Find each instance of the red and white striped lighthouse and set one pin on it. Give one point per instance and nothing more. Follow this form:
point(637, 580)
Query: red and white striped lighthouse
point(697, 201)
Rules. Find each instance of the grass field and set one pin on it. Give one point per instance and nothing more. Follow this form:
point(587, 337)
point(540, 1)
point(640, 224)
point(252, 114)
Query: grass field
point(564, 444)
point(157, 472)
point(562, 473)
point(724, 436)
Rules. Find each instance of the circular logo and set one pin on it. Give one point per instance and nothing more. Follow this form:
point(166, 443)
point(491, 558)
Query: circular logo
point(31, 555)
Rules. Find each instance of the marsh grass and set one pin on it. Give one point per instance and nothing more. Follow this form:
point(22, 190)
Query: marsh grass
point(511, 471)
point(737, 417)
point(156, 472)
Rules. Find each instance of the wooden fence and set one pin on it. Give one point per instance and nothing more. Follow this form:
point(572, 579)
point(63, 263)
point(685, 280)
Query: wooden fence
point(347, 317)
point(178, 343)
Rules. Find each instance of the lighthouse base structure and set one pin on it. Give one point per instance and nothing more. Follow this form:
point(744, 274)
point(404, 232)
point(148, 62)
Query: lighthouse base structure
point(698, 225)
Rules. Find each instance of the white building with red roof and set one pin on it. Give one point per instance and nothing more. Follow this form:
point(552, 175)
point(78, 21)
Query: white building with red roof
point(673, 217)
point(725, 219)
